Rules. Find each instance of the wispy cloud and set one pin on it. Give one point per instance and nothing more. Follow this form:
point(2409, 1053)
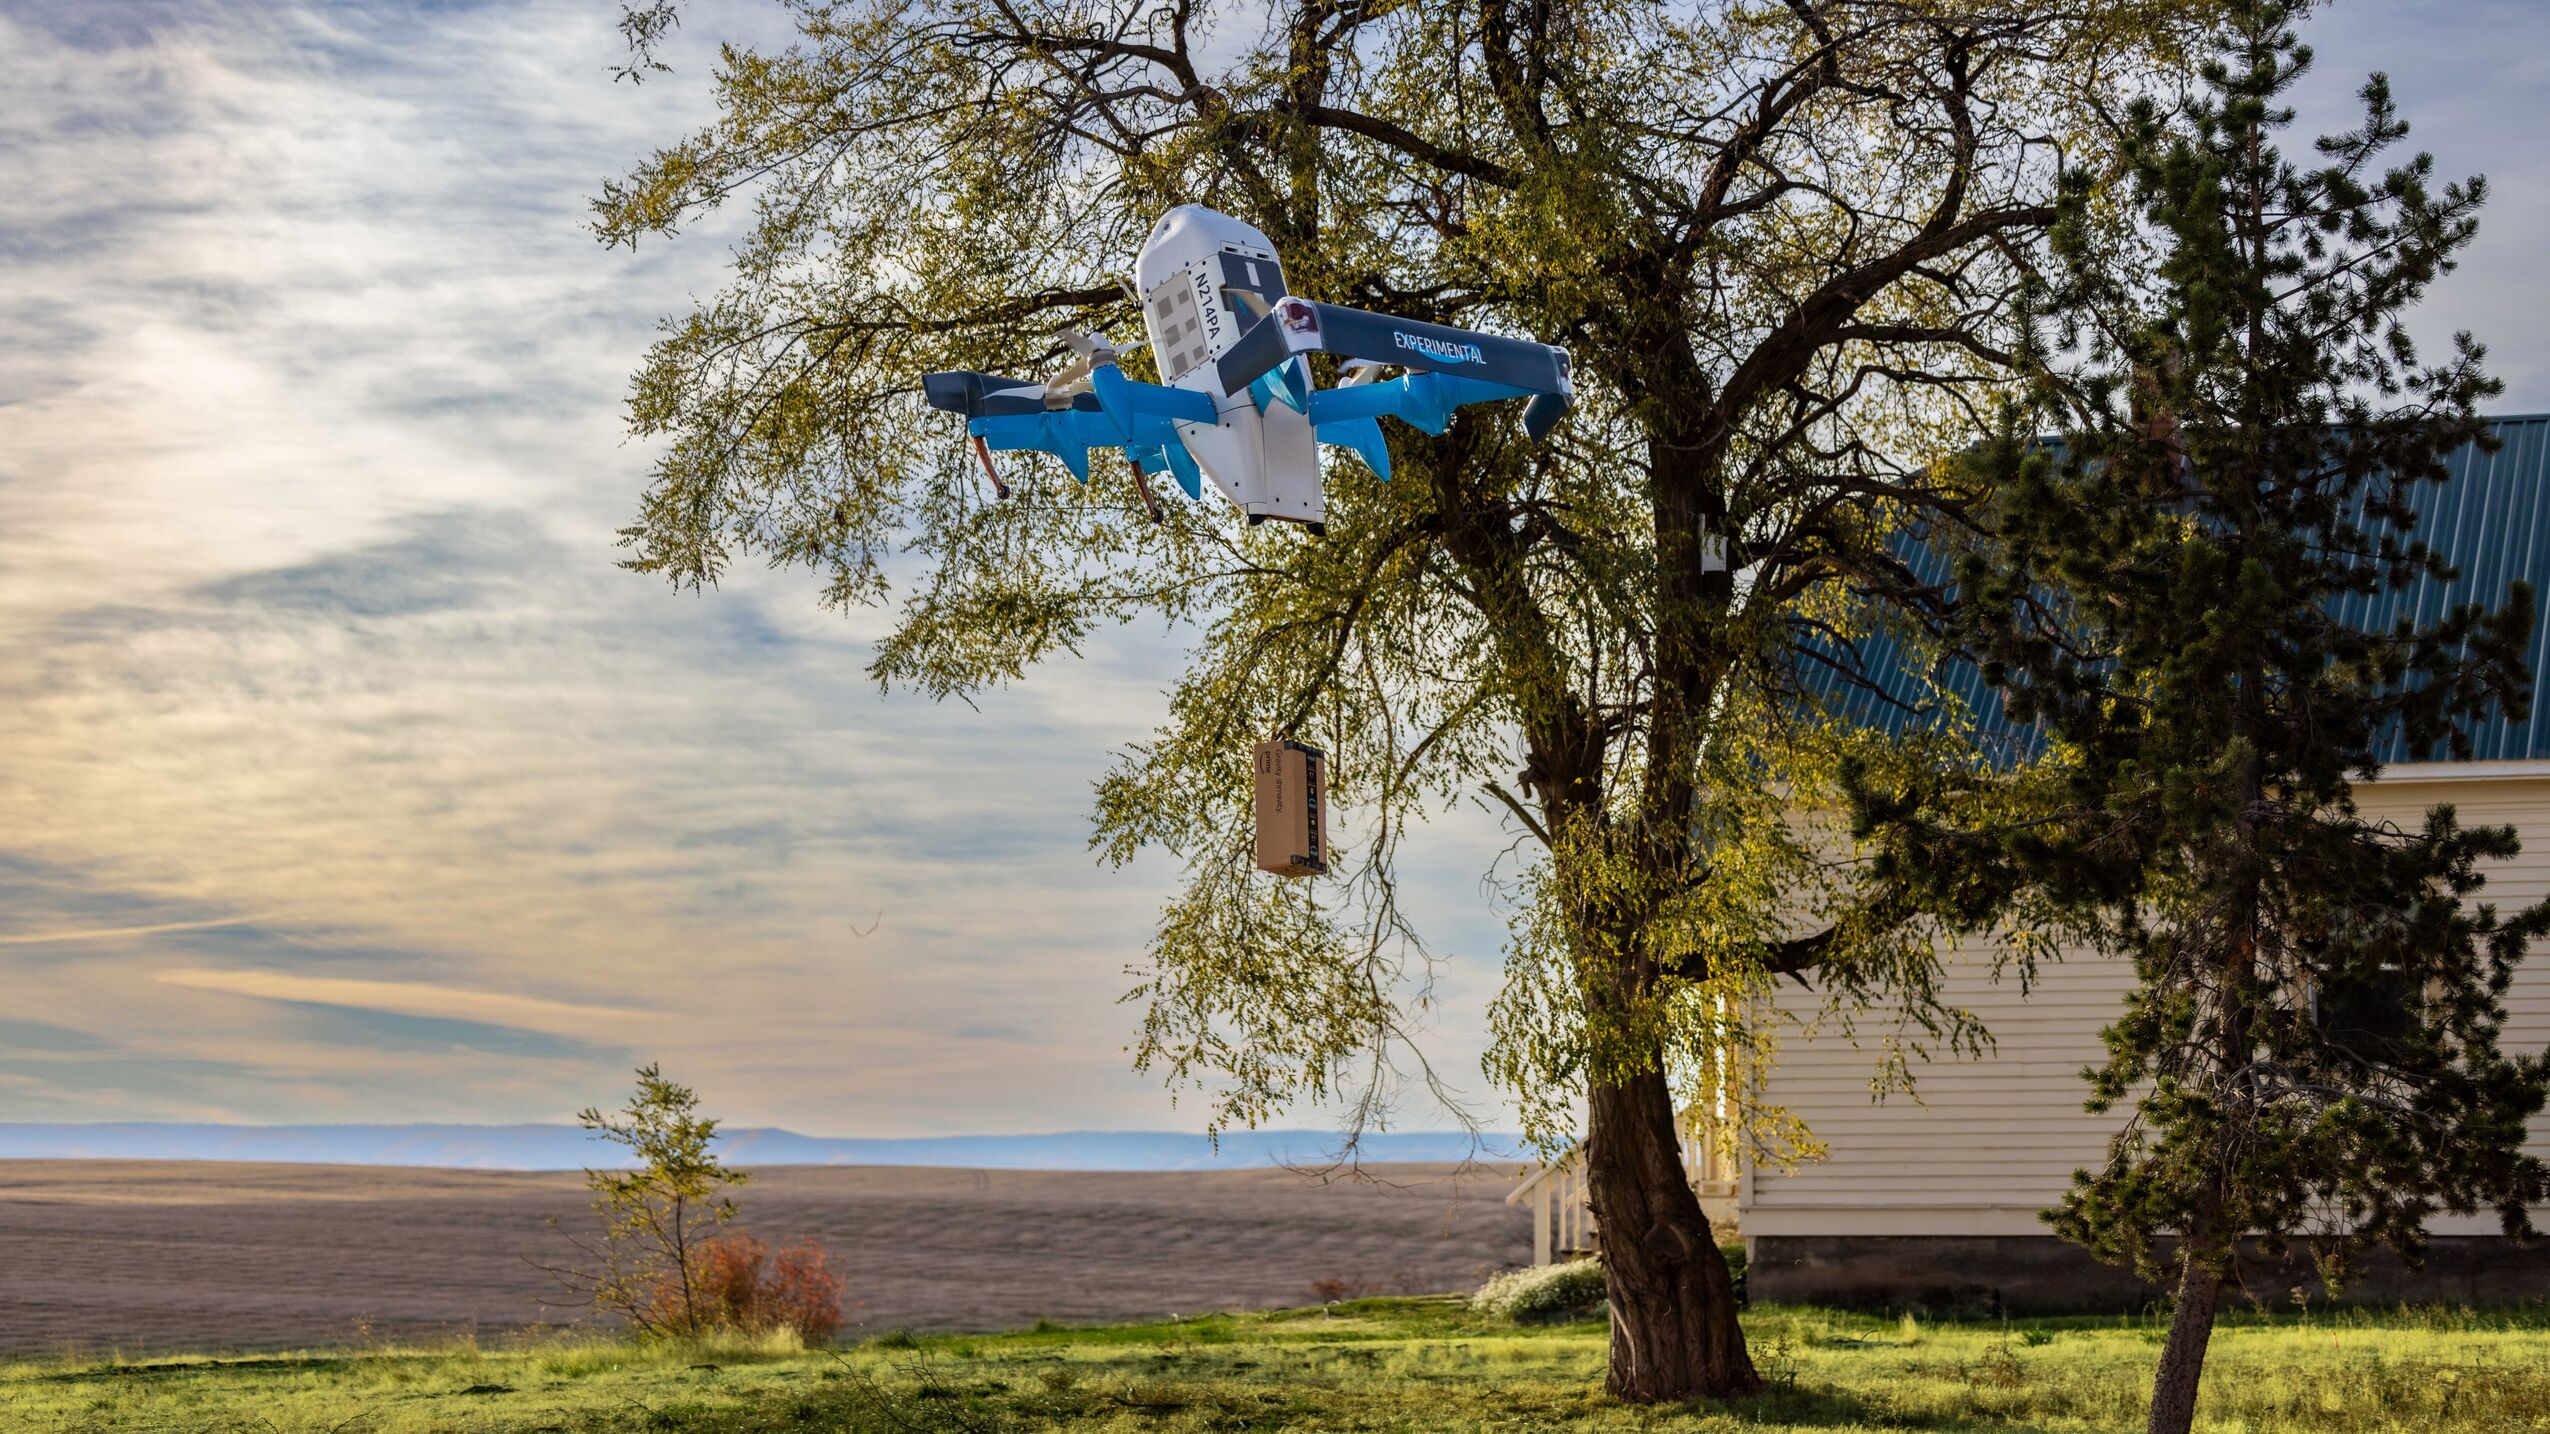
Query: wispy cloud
point(404, 998)
point(117, 933)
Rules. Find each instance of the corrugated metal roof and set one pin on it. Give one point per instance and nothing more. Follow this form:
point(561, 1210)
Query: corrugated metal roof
point(2491, 520)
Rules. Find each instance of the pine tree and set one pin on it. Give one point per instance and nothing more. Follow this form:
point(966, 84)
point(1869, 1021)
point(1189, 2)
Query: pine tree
point(2312, 1048)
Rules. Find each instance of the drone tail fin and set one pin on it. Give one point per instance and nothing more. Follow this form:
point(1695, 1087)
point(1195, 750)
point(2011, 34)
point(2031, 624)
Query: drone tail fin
point(1182, 467)
point(1542, 414)
point(1287, 383)
point(1362, 437)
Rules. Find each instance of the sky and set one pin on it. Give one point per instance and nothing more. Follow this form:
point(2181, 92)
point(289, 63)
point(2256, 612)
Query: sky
point(345, 777)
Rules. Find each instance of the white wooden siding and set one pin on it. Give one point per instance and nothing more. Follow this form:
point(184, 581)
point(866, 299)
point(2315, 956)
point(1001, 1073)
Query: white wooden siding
point(1981, 1146)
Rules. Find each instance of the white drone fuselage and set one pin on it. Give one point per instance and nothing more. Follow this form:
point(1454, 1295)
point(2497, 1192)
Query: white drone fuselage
point(1204, 277)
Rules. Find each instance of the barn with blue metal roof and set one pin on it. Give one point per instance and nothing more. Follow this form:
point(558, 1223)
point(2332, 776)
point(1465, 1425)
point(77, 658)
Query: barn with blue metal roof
point(2491, 520)
point(1931, 1199)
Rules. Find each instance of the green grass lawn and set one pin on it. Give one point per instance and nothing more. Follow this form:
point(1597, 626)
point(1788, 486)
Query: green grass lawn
point(1410, 1364)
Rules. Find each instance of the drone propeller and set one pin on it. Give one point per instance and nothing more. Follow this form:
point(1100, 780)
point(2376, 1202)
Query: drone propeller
point(1089, 352)
point(1092, 351)
point(1092, 347)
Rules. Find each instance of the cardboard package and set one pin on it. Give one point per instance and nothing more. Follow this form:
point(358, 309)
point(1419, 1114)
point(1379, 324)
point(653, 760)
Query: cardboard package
point(1292, 808)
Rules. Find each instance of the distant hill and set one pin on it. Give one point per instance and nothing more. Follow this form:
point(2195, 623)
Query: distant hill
point(564, 1147)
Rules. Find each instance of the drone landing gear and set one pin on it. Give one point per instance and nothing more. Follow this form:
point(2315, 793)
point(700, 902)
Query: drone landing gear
point(984, 452)
point(1150, 502)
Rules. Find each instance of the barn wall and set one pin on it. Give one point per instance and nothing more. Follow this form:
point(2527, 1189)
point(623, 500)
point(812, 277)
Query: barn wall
point(1980, 1146)
point(1999, 1275)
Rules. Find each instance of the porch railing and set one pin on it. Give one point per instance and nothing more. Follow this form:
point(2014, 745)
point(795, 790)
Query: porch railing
point(1563, 1217)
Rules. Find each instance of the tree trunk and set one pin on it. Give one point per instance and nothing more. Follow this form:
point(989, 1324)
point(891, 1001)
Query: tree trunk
point(1673, 1328)
point(2182, 1359)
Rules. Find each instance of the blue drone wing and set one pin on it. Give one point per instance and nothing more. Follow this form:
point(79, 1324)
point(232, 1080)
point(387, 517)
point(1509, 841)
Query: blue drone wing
point(1067, 433)
point(1349, 417)
point(1447, 367)
point(1015, 415)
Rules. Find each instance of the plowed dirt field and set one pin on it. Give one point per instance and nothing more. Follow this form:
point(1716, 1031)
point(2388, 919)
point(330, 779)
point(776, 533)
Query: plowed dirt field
point(170, 1255)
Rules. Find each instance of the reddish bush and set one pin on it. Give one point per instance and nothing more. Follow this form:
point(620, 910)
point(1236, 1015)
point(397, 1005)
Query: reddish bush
point(726, 1284)
point(801, 1291)
point(740, 1283)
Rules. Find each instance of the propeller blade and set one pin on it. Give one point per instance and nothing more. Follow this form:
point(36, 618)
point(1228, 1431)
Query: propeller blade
point(1092, 348)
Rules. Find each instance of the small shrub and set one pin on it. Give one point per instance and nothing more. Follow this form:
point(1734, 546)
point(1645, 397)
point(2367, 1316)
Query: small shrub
point(1778, 1364)
point(801, 1291)
point(1998, 1368)
point(740, 1284)
point(1548, 1292)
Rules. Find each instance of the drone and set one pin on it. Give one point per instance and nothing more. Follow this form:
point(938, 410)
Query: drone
point(1239, 404)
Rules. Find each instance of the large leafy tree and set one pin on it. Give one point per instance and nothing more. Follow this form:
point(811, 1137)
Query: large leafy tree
point(1781, 241)
point(2312, 1045)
